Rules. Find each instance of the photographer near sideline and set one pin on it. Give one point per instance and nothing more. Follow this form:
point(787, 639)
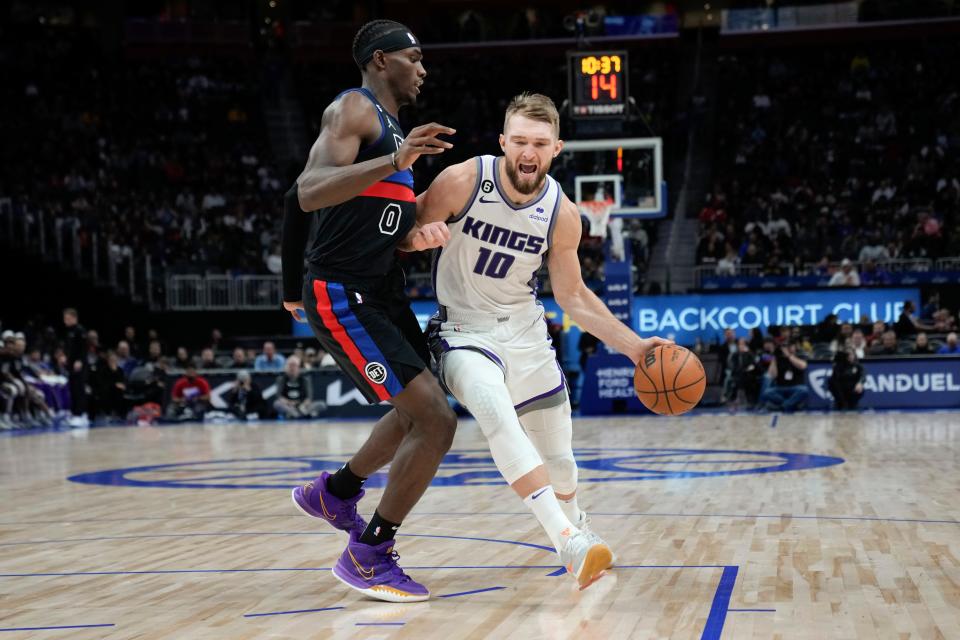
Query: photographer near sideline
point(245, 400)
point(846, 381)
point(787, 388)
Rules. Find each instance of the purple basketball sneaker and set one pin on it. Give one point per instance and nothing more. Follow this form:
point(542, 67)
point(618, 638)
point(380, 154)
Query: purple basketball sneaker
point(373, 571)
point(315, 500)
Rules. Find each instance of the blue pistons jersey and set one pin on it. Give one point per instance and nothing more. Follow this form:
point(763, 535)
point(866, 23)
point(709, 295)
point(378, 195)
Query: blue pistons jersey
point(489, 266)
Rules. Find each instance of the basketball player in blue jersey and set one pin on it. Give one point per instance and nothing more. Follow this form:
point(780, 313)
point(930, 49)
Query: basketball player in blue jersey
point(358, 189)
point(506, 216)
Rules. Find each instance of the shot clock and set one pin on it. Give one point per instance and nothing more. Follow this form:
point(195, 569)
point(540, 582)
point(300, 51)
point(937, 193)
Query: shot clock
point(598, 83)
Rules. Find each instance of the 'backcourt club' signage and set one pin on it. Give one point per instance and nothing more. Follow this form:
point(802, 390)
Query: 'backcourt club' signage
point(686, 317)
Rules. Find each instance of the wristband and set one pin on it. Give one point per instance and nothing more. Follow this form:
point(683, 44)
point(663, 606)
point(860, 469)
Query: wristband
point(393, 160)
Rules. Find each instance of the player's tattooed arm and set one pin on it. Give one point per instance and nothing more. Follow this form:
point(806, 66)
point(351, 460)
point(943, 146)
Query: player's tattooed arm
point(573, 296)
point(447, 195)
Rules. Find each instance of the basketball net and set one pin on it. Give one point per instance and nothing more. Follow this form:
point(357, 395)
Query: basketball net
point(598, 213)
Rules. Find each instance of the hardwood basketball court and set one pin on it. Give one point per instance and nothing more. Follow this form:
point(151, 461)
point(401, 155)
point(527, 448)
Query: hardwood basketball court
point(725, 526)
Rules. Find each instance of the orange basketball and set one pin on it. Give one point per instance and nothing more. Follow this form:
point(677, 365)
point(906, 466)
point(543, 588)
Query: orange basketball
point(670, 380)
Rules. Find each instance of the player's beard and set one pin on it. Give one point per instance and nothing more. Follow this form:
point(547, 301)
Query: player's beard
point(526, 188)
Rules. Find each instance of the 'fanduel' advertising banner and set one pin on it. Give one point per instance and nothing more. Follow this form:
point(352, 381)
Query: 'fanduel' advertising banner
point(904, 383)
point(686, 317)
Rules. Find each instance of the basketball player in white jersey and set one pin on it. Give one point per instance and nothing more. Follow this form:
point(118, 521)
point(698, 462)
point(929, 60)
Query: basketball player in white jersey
point(506, 216)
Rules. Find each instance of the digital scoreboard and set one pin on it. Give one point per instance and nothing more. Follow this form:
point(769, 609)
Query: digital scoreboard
point(597, 83)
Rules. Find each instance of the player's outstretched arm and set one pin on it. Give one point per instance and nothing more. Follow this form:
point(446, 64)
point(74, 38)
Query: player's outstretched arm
point(446, 197)
point(330, 176)
point(573, 296)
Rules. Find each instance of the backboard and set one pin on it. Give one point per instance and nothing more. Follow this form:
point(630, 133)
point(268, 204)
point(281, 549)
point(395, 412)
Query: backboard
point(628, 170)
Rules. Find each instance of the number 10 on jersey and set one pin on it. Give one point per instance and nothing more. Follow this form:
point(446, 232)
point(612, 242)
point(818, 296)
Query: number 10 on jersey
point(493, 264)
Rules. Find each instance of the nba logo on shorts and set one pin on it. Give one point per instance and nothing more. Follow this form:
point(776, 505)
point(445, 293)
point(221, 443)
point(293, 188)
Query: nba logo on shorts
point(375, 372)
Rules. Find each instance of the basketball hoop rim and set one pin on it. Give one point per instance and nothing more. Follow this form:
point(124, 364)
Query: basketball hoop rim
point(598, 213)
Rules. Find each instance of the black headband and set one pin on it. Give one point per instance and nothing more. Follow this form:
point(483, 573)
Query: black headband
point(388, 42)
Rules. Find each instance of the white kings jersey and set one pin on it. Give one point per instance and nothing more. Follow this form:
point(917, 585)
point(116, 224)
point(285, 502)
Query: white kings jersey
point(489, 265)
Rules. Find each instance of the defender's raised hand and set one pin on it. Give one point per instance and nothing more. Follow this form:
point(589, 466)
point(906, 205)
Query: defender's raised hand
point(422, 140)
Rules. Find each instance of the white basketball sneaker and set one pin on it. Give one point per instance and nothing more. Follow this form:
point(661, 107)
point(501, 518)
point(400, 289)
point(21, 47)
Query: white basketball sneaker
point(585, 558)
point(584, 525)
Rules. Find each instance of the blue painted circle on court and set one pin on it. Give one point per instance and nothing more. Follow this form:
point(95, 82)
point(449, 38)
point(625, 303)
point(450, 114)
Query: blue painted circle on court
point(473, 467)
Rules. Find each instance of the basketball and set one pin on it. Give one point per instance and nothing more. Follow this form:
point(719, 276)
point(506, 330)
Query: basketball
point(670, 380)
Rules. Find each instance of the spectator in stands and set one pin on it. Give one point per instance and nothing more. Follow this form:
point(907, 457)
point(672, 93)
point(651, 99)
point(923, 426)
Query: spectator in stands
point(859, 344)
point(640, 243)
point(729, 345)
point(310, 359)
point(843, 338)
point(874, 249)
point(907, 325)
point(739, 365)
point(847, 276)
point(728, 264)
point(154, 352)
point(244, 399)
point(876, 335)
point(846, 381)
point(154, 383)
point(944, 321)
point(12, 387)
point(269, 360)
point(950, 347)
point(216, 337)
point(130, 336)
point(295, 393)
point(802, 343)
point(587, 345)
point(772, 266)
point(239, 359)
point(23, 403)
point(299, 353)
point(111, 383)
point(827, 329)
point(125, 360)
point(786, 389)
point(92, 355)
point(873, 275)
point(754, 376)
point(887, 345)
point(207, 359)
point(921, 345)
point(183, 359)
point(756, 340)
point(710, 248)
point(190, 397)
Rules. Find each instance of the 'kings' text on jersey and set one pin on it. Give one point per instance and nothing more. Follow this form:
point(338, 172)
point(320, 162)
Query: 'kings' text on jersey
point(496, 248)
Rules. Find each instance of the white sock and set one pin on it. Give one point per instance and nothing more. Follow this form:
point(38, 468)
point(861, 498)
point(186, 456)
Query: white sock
point(571, 509)
point(543, 502)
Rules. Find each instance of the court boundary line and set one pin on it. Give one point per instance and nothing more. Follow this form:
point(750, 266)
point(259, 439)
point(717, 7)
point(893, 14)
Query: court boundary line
point(284, 613)
point(71, 626)
point(526, 514)
point(19, 433)
point(712, 629)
